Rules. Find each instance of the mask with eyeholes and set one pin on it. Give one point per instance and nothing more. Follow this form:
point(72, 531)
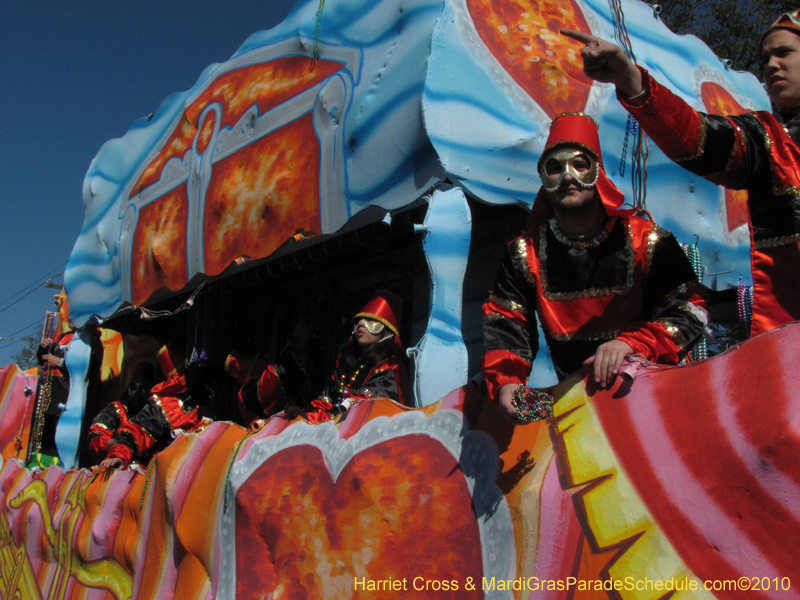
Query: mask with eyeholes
point(580, 164)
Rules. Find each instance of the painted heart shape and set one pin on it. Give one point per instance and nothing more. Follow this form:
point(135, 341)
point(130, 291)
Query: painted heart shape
point(523, 35)
point(316, 513)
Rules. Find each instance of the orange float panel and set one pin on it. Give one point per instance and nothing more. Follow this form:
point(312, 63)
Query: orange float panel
point(265, 85)
point(524, 37)
point(260, 195)
point(159, 245)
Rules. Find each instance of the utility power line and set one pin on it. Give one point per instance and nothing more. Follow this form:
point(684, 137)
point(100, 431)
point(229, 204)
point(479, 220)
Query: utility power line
point(38, 283)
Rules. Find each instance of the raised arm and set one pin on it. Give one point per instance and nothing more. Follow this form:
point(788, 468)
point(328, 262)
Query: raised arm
point(726, 150)
point(607, 63)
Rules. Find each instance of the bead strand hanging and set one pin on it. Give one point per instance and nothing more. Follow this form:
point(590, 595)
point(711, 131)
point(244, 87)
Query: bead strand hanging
point(744, 302)
point(344, 387)
point(700, 351)
point(640, 148)
point(317, 29)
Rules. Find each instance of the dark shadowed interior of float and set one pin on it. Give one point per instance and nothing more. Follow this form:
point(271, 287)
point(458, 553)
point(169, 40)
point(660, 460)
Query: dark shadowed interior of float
point(312, 283)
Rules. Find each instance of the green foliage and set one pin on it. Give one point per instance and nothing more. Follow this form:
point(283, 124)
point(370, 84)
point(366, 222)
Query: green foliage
point(731, 28)
point(26, 358)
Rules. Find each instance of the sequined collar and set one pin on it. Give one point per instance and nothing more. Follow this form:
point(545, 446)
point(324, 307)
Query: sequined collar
point(583, 243)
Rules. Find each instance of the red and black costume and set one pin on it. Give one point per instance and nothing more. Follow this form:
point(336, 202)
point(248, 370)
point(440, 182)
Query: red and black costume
point(379, 372)
point(115, 415)
point(268, 387)
point(630, 282)
point(173, 405)
point(388, 379)
point(756, 152)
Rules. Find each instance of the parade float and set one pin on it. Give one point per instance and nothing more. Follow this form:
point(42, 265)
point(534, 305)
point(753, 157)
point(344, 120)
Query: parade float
point(364, 145)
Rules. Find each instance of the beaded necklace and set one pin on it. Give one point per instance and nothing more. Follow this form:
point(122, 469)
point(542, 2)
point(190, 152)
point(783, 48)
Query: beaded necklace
point(744, 300)
point(344, 387)
point(692, 252)
point(590, 240)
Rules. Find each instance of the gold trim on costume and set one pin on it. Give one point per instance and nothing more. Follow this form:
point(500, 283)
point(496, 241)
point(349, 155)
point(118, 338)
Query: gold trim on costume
point(778, 241)
point(147, 433)
point(678, 291)
point(792, 189)
point(375, 317)
point(494, 316)
point(591, 292)
point(116, 408)
point(656, 233)
point(767, 137)
point(183, 408)
point(580, 145)
point(673, 331)
point(102, 426)
point(509, 304)
point(519, 256)
point(701, 141)
point(576, 114)
point(776, 189)
point(562, 374)
point(157, 401)
point(174, 367)
point(596, 241)
point(516, 356)
point(789, 190)
point(741, 140)
point(718, 177)
point(524, 360)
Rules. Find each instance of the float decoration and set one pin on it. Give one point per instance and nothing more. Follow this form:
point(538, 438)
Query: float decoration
point(392, 492)
point(401, 95)
point(660, 479)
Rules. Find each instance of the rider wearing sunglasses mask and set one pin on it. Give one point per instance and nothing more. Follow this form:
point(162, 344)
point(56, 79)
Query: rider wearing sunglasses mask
point(371, 364)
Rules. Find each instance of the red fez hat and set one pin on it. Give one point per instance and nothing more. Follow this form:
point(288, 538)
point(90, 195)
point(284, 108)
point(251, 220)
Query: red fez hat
point(171, 362)
point(581, 130)
point(575, 129)
point(789, 20)
point(386, 307)
point(244, 366)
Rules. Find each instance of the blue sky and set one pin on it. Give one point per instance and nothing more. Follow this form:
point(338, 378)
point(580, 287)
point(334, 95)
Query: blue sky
point(74, 74)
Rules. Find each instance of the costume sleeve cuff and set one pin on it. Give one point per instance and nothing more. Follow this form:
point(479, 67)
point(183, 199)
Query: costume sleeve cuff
point(121, 451)
point(640, 98)
point(652, 341)
point(140, 436)
point(674, 126)
point(502, 367)
point(99, 438)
